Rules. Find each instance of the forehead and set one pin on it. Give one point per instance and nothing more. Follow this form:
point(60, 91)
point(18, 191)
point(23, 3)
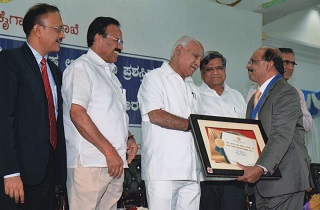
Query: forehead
point(287, 56)
point(215, 61)
point(52, 17)
point(113, 30)
point(258, 53)
point(195, 47)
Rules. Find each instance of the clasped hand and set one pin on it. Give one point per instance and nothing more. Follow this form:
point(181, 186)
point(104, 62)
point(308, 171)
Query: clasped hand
point(251, 173)
point(115, 163)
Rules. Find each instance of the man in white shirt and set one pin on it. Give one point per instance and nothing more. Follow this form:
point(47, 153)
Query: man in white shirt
point(167, 96)
point(288, 65)
point(218, 99)
point(96, 122)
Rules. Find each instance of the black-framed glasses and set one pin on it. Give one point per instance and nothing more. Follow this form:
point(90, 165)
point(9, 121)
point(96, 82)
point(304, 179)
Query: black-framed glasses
point(58, 29)
point(287, 62)
point(119, 41)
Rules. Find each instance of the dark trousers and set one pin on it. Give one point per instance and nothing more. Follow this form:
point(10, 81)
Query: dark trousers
point(222, 195)
point(37, 197)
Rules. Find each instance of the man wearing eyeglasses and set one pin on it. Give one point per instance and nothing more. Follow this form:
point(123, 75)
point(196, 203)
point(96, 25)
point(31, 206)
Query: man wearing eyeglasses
point(32, 144)
point(218, 99)
point(288, 65)
point(96, 122)
point(278, 109)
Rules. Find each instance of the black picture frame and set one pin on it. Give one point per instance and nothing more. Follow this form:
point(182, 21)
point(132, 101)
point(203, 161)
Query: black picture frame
point(219, 156)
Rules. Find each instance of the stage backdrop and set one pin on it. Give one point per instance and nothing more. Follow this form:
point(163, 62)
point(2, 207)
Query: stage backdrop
point(130, 71)
point(150, 29)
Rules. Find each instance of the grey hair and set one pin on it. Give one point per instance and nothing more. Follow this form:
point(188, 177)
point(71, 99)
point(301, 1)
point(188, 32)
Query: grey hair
point(208, 56)
point(183, 41)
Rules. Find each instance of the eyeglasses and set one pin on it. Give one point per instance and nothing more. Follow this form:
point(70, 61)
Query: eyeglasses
point(119, 41)
point(58, 29)
point(218, 68)
point(252, 61)
point(292, 63)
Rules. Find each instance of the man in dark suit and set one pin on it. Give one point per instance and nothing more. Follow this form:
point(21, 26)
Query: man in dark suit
point(278, 108)
point(32, 145)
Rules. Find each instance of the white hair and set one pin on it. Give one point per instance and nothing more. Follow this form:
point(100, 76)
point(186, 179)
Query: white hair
point(183, 41)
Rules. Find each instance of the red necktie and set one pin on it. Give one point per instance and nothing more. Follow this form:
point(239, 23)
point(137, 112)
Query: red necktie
point(51, 111)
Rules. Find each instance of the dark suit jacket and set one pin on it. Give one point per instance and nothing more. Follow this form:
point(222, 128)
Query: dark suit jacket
point(24, 123)
point(281, 118)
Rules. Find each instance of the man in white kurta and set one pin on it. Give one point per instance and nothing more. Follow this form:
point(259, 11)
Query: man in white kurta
point(167, 96)
point(218, 99)
point(96, 122)
point(229, 104)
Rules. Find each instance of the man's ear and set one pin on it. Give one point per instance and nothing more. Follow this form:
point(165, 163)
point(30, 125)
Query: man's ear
point(36, 30)
point(270, 64)
point(178, 50)
point(96, 39)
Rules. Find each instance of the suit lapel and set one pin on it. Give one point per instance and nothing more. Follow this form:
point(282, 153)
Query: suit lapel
point(34, 66)
point(250, 107)
point(266, 96)
point(54, 72)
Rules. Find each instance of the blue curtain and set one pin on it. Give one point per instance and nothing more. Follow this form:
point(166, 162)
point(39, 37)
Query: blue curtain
point(312, 100)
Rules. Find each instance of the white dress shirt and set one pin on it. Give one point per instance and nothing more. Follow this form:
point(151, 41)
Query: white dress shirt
point(168, 154)
point(90, 83)
point(230, 104)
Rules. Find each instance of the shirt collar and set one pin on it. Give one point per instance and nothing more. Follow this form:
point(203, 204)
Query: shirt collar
point(36, 54)
point(167, 70)
point(263, 87)
point(205, 88)
point(96, 59)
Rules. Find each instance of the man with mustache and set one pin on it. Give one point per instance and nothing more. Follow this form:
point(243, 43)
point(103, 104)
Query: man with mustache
point(167, 97)
point(218, 99)
point(96, 122)
point(32, 144)
point(288, 65)
point(278, 109)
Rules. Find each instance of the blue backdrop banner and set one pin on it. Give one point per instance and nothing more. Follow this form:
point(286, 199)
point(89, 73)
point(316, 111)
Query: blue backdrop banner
point(130, 70)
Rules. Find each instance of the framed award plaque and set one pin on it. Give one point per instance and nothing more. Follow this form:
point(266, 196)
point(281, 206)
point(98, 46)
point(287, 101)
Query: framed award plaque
point(223, 142)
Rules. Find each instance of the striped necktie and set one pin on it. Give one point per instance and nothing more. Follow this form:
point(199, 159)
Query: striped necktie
point(255, 101)
point(256, 98)
point(51, 111)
